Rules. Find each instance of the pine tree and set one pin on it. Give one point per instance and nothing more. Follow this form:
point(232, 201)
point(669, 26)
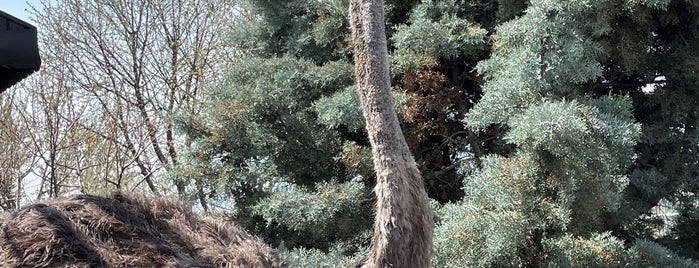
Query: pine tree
point(556, 87)
point(286, 124)
point(270, 146)
point(545, 130)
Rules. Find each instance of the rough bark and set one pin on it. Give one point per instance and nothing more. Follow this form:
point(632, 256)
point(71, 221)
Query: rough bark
point(403, 224)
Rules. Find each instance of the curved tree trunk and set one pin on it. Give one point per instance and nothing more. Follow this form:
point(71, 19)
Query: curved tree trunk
point(403, 225)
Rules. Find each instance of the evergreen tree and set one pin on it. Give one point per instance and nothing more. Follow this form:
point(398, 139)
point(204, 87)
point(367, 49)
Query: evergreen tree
point(279, 141)
point(286, 124)
point(557, 87)
point(545, 130)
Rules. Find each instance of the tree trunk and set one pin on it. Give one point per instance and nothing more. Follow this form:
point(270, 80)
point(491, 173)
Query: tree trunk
point(403, 224)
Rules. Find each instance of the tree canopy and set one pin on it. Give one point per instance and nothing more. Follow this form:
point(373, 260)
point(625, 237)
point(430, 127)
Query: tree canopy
point(548, 133)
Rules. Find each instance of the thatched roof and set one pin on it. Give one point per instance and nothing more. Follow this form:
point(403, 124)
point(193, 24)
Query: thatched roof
point(125, 231)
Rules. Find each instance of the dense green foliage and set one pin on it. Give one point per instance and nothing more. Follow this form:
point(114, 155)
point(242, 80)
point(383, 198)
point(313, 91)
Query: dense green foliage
point(546, 131)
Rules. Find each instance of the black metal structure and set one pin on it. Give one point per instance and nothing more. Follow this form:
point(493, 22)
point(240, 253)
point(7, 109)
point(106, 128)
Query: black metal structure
point(19, 50)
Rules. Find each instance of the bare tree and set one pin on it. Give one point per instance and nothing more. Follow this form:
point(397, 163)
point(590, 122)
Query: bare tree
point(49, 129)
point(403, 225)
point(135, 65)
point(15, 162)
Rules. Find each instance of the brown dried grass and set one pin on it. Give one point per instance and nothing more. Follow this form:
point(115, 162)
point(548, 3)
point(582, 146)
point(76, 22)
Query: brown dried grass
point(125, 231)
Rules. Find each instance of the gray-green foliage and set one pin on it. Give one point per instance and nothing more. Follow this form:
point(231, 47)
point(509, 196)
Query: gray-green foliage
point(260, 104)
point(545, 53)
point(600, 250)
point(445, 38)
point(470, 236)
point(320, 216)
point(548, 199)
point(268, 140)
point(313, 258)
point(435, 31)
point(556, 164)
point(577, 151)
point(341, 108)
point(649, 254)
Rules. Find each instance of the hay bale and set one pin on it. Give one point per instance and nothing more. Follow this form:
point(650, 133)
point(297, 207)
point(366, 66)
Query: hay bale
point(125, 231)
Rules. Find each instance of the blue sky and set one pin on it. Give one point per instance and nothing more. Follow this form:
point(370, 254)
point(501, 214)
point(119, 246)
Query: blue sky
point(19, 8)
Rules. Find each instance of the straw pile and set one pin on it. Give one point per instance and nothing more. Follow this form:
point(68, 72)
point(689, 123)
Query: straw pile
point(125, 231)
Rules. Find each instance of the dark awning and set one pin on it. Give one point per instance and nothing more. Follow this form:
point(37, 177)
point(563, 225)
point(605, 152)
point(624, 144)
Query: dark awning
point(19, 50)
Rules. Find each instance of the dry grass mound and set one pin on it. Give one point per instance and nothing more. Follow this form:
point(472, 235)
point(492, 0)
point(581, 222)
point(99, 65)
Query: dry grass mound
point(125, 231)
